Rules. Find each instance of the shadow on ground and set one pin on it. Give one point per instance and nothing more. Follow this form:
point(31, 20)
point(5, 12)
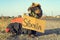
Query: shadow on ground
point(50, 31)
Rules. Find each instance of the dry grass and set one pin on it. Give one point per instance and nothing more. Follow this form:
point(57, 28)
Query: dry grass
point(4, 23)
point(51, 25)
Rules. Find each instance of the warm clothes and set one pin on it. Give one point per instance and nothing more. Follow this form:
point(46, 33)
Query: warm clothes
point(15, 27)
point(18, 20)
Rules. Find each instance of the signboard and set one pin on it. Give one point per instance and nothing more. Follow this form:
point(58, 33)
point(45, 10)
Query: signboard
point(33, 24)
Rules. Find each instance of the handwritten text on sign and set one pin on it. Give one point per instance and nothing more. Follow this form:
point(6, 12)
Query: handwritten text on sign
point(33, 24)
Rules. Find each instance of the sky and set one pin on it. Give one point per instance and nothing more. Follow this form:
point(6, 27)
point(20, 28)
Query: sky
point(19, 7)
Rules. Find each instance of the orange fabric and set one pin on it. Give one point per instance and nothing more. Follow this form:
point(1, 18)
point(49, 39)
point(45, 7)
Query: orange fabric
point(18, 20)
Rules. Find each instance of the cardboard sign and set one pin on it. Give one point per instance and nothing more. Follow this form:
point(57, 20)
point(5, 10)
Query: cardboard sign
point(33, 24)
